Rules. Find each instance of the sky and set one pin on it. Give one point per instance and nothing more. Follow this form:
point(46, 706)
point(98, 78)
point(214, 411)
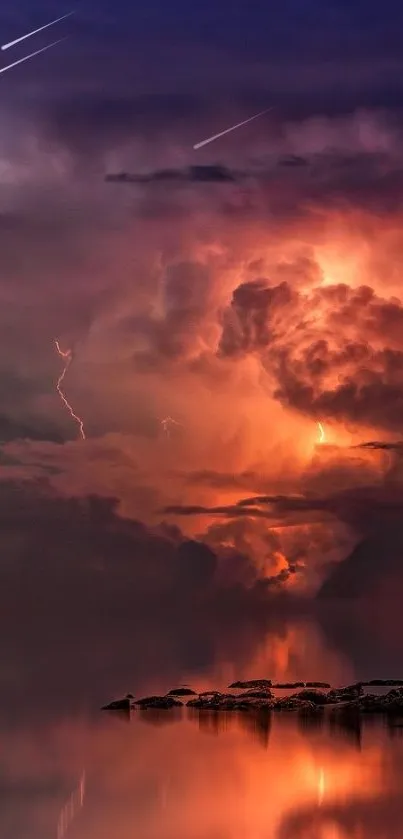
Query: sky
point(248, 290)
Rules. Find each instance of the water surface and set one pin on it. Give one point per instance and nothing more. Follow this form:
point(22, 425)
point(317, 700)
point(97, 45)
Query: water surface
point(189, 775)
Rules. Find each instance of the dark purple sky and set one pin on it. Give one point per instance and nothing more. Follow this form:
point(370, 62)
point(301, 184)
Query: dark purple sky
point(297, 55)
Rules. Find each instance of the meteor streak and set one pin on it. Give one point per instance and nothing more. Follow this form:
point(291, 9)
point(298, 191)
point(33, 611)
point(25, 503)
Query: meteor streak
point(34, 32)
point(31, 55)
point(321, 433)
point(233, 127)
point(68, 357)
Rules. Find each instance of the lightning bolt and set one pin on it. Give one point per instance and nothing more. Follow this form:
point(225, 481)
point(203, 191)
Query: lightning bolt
point(166, 423)
point(321, 433)
point(68, 358)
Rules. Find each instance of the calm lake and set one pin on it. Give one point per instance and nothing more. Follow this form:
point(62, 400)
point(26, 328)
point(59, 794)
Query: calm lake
point(66, 769)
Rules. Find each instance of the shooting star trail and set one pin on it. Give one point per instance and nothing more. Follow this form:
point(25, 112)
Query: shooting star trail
point(233, 127)
point(31, 55)
point(321, 433)
point(34, 32)
point(71, 808)
point(68, 357)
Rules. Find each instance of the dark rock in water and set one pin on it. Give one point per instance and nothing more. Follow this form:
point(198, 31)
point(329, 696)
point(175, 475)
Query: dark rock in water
point(214, 693)
point(258, 697)
point(346, 694)
point(293, 703)
point(371, 703)
point(355, 686)
point(229, 702)
point(287, 703)
point(182, 692)
point(396, 693)
point(213, 701)
point(383, 682)
point(390, 703)
point(311, 695)
point(215, 696)
point(257, 694)
point(252, 684)
point(199, 703)
point(158, 702)
point(293, 685)
point(260, 703)
point(393, 701)
point(120, 704)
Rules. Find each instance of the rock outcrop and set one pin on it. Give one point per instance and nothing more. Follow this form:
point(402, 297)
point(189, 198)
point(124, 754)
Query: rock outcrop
point(258, 696)
point(252, 684)
point(163, 702)
point(317, 697)
point(370, 703)
point(182, 692)
point(120, 704)
point(294, 685)
point(346, 694)
point(228, 702)
point(294, 703)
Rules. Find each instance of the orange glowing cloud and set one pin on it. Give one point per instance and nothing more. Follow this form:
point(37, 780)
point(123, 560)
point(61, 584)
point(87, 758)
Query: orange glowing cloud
point(246, 332)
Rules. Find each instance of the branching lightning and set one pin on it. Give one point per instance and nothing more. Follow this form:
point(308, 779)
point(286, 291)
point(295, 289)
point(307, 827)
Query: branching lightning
point(68, 358)
point(167, 424)
point(321, 433)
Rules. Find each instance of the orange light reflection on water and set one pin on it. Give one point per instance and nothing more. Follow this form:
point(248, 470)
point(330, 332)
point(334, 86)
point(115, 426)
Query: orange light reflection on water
point(156, 776)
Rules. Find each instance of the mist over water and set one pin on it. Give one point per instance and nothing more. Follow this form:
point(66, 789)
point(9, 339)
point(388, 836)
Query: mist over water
point(182, 773)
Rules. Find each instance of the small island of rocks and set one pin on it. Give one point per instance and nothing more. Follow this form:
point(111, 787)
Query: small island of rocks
point(258, 695)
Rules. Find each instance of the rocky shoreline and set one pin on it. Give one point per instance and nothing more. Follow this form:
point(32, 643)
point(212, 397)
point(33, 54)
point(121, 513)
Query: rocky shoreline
point(257, 695)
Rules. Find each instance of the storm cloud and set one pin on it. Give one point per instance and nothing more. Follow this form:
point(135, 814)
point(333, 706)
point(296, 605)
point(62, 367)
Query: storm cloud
point(331, 352)
point(258, 298)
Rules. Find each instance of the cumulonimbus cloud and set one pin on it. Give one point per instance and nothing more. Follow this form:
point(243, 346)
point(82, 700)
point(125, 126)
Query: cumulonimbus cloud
point(331, 352)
